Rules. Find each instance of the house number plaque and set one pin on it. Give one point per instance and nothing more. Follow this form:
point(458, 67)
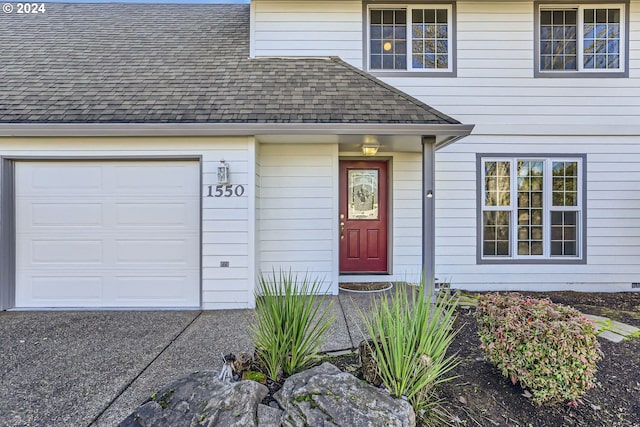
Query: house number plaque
point(225, 190)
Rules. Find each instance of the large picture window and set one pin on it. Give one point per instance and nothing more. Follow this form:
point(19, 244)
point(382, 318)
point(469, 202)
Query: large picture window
point(581, 39)
point(532, 208)
point(410, 38)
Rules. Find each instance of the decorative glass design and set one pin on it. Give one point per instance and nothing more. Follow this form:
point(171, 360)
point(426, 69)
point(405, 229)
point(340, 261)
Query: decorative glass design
point(363, 194)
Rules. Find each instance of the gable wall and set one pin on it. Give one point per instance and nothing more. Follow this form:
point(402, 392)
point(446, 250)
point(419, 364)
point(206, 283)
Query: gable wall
point(325, 28)
point(494, 87)
point(517, 113)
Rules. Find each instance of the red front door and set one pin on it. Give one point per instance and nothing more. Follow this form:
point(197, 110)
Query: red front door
point(363, 216)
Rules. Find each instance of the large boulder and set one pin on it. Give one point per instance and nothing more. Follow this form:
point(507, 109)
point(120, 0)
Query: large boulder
point(326, 396)
point(201, 399)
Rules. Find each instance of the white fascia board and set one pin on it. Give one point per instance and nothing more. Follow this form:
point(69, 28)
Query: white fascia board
point(230, 129)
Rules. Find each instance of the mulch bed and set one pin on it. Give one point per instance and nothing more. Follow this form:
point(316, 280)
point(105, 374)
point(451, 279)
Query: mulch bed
point(480, 396)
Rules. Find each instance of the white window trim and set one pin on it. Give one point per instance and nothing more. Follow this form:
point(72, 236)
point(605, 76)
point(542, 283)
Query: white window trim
point(409, 8)
point(579, 7)
point(547, 208)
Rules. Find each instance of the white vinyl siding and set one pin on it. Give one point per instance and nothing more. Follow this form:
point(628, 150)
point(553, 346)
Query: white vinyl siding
point(407, 217)
point(225, 231)
point(612, 216)
point(325, 28)
point(496, 90)
point(298, 210)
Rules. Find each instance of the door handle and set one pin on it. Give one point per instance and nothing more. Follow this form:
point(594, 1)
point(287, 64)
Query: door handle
point(341, 230)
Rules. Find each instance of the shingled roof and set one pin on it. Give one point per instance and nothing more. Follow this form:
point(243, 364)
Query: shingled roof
point(162, 63)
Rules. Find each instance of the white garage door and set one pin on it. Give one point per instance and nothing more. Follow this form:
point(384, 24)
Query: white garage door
point(107, 234)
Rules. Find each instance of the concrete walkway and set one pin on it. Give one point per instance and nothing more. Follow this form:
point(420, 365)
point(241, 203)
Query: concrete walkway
point(612, 330)
point(93, 368)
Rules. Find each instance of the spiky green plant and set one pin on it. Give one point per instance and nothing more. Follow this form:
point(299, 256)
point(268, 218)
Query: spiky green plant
point(291, 320)
point(411, 333)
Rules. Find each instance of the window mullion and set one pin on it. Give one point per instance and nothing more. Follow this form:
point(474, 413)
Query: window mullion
point(513, 217)
point(580, 38)
point(547, 196)
point(409, 38)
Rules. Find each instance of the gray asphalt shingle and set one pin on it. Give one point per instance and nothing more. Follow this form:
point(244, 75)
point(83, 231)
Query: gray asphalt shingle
point(167, 63)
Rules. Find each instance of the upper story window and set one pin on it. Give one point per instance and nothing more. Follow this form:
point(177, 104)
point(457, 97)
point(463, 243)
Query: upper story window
point(581, 39)
point(532, 209)
point(410, 38)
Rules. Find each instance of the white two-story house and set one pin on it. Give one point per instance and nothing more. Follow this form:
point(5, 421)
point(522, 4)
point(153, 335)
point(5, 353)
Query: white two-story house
point(165, 155)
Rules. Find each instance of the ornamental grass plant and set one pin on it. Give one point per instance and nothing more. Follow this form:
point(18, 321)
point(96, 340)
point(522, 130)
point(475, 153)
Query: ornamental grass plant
point(411, 331)
point(291, 320)
point(550, 349)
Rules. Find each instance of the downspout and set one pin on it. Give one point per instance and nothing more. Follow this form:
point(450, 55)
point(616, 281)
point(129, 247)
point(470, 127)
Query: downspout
point(428, 214)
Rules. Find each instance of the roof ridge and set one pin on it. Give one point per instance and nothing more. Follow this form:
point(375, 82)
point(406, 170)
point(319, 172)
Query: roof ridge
point(393, 89)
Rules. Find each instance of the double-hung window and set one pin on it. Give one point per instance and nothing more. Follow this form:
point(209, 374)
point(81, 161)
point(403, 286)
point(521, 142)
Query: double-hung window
point(581, 39)
point(414, 38)
point(531, 209)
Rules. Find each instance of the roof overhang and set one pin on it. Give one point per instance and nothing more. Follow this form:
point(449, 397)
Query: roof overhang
point(395, 136)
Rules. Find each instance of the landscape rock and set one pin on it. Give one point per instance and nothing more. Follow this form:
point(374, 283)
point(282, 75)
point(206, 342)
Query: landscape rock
point(326, 396)
point(201, 399)
point(269, 416)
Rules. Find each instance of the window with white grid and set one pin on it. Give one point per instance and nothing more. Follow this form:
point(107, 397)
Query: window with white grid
point(532, 208)
point(410, 38)
point(581, 38)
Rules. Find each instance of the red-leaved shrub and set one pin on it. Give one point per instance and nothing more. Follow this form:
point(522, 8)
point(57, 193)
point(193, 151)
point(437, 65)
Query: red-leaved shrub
point(550, 349)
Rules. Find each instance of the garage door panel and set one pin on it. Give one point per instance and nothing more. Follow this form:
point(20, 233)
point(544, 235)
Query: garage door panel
point(65, 214)
point(155, 178)
point(155, 214)
point(153, 252)
point(51, 179)
point(139, 290)
point(66, 252)
point(124, 244)
point(52, 291)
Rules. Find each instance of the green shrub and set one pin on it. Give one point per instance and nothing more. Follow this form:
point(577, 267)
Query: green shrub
point(549, 348)
point(412, 336)
point(290, 322)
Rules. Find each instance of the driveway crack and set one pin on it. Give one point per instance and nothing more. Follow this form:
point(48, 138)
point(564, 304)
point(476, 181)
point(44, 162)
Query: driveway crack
point(142, 371)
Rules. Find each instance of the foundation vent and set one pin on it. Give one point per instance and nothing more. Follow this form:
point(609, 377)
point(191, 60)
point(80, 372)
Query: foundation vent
point(635, 285)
